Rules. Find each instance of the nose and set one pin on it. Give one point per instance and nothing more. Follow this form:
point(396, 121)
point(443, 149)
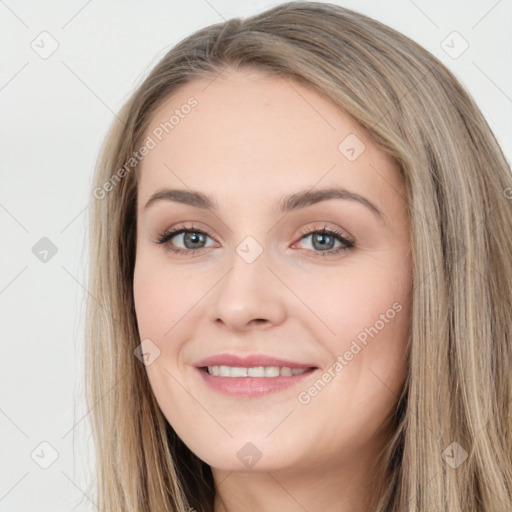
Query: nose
point(248, 296)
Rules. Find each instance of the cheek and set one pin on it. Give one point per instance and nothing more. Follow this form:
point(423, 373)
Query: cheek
point(351, 302)
point(370, 317)
point(369, 320)
point(161, 299)
point(150, 309)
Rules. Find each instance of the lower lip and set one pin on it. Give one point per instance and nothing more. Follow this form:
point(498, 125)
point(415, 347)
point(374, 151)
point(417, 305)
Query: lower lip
point(252, 387)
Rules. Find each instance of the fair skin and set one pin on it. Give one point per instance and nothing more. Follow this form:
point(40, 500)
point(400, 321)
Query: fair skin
point(250, 141)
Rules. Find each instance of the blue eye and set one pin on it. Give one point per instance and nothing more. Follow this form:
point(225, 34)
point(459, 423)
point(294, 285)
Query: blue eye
point(193, 239)
point(323, 238)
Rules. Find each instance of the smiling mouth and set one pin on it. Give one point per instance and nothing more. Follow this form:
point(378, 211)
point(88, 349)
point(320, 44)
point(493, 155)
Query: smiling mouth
point(255, 371)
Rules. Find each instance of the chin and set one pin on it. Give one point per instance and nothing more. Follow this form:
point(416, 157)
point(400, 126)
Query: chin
point(242, 454)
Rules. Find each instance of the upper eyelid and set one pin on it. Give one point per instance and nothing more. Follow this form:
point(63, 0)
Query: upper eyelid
point(303, 232)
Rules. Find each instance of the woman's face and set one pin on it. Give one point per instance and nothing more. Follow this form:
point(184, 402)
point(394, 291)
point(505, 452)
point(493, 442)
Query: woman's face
point(259, 167)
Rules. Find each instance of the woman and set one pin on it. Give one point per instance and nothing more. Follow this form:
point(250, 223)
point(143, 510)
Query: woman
point(264, 369)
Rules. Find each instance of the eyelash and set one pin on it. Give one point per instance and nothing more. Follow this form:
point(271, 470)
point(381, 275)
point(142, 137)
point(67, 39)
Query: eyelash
point(166, 237)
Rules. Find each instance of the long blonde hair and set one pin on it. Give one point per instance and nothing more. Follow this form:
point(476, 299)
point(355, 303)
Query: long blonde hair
point(451, 445)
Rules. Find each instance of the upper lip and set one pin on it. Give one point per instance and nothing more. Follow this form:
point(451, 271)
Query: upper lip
point(250, 361)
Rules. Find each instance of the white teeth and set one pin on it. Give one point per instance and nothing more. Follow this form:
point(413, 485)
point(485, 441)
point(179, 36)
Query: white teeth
point(256, 371)
point(238, 372)
point(224, 371)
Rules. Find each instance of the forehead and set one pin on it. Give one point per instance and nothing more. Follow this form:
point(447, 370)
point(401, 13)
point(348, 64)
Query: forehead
point(255, 134)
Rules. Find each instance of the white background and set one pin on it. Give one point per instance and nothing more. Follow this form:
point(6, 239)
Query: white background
point(54, 115)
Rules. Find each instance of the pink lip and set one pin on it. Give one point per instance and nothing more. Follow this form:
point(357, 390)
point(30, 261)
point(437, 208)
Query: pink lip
point(250, 387)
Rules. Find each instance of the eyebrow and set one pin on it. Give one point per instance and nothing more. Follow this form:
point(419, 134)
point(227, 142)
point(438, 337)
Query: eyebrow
point(287, 203)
